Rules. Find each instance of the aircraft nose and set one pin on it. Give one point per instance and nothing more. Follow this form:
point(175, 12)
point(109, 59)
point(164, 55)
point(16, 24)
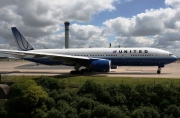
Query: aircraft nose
point(174, 58)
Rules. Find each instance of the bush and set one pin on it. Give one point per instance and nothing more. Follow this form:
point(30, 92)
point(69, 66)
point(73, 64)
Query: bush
point(85, 103)
point(65, 96)
point(62, 105)
point(101, 111)
point(54, 113)
point(89, 87)
point(115, 113)
point(71, 113)
point(85, 114)
point(3, 112)
point(25, 97)
point(172, 111)
point(39, 113)
point(97, 91)
point(50, 83)
point(145, 112)
point(55, 94)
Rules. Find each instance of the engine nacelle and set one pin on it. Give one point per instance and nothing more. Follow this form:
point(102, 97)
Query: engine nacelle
point(101, 65)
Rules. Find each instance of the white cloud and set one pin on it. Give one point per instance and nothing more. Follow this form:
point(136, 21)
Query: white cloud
point(133, 42)
point(151, 22)
point(80, 36)
point(173, 3)
point(39, 19)
point(86, 36)
point(121, 26)
point(4, 46)
point(158, 28)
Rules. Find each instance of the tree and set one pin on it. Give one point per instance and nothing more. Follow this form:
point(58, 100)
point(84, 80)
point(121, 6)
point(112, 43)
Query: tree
point(85, 103)
point(85, 114)
point(172, 110)
point(55, 94)
point(3, 112)
point(115, 113)
point(71, 113)
point(65, 96)
point(89, 87)
point(50, 83)
point(145, 112)
point(39, 113)
point(25, 97)
point(62, 105)
point(54, 113)
point(101, 111)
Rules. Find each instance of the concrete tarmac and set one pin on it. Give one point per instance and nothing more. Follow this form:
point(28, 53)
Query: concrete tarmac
point(29, 68)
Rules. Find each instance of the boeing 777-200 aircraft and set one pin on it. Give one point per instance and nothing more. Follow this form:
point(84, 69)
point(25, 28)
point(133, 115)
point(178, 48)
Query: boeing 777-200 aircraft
point(93, 59)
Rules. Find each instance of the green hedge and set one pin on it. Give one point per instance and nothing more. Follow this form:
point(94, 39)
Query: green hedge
point(48, 97)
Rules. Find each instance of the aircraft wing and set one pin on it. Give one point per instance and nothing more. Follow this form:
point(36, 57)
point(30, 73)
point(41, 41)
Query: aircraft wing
point(42, 54)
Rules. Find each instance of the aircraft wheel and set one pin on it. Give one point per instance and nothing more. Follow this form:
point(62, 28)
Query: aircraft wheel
point(76, 72)
point(72, 72)
point(86, 70)
point(158, 72)
point(83, 70)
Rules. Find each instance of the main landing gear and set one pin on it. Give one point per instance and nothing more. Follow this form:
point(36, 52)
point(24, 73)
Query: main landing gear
point(159, 69)
point(82, 71)
point(78, 71)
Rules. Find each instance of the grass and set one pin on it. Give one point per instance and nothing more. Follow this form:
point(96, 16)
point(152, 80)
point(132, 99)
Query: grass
point(5, 78)
point(76, 81)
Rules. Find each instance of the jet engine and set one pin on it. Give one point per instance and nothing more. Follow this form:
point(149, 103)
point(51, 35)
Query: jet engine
point(101, 65)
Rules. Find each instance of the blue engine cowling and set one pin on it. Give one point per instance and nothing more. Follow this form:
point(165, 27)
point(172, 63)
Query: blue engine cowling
point(101, 65)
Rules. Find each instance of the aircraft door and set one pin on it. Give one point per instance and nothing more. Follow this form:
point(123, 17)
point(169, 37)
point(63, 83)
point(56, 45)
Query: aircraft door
point(159, 60)
point(156, 58)
point(123, 58)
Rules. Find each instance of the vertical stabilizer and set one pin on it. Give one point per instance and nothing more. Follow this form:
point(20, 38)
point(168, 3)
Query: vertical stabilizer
point(22, 43)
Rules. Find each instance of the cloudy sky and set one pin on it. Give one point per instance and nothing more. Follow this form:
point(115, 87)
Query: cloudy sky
point(94, 23)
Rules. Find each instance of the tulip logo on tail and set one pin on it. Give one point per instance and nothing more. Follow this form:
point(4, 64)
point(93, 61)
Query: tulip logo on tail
point(21, 41)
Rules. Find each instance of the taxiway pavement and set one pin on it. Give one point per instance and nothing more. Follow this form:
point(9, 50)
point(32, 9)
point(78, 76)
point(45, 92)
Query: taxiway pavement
point(29, 68)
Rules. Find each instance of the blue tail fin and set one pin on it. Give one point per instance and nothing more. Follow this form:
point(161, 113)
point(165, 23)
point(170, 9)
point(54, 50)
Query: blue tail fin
point(22, 43)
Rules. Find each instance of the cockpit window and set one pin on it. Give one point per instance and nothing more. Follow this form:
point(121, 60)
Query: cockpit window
point(170, 54)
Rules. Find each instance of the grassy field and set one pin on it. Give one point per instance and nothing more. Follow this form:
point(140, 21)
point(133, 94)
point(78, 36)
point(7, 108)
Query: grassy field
point(117, 80)
point(76, 81)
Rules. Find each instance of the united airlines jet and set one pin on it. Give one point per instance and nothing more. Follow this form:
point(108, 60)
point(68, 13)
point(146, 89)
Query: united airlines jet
point(93, 59)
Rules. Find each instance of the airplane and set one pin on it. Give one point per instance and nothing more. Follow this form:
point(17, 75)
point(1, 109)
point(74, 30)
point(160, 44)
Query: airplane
point(93, 59)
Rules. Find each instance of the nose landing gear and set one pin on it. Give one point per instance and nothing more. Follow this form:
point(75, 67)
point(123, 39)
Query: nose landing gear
point(159, 69)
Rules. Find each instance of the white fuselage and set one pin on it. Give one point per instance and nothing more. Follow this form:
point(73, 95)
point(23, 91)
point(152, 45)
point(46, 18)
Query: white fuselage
point(120, 56)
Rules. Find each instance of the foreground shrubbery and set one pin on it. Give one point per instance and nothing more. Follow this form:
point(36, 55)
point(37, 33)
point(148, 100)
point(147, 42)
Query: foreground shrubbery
point(50, 98)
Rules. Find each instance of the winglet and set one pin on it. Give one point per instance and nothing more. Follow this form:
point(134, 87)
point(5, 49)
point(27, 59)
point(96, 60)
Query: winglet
point(22, 43)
